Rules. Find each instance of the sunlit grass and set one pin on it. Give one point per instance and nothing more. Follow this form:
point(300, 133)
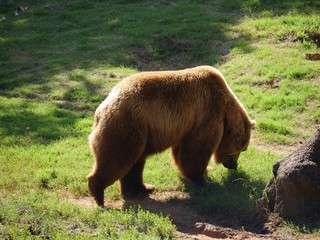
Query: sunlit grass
point(45, 215)
point(60, 59)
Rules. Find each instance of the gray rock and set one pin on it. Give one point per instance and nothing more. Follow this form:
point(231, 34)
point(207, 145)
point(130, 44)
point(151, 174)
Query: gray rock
point(294, 190)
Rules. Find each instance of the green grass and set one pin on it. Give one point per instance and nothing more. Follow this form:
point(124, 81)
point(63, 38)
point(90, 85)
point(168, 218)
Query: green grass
point(59, 60)
point(44, 215)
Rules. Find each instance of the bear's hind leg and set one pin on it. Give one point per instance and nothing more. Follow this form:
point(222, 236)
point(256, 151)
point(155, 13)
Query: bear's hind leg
point(102, 177)
point(132, 183)
point(96, 188)
point(117, 147)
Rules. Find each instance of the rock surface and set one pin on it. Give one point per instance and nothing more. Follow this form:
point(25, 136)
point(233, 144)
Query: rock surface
point(294, 191)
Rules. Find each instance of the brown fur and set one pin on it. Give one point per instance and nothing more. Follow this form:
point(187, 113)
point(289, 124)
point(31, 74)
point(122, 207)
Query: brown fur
point(192, 110)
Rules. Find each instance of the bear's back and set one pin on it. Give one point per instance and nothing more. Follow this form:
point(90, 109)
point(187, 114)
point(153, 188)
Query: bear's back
point(168, 103)
point(199, 83)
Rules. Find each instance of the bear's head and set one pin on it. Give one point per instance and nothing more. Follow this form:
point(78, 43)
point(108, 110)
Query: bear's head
point(235, 139)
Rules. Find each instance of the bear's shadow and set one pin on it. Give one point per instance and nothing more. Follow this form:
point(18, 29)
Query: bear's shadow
point(231, 204)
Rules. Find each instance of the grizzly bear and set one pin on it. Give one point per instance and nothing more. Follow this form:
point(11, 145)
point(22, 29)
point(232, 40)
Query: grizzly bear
point(193, 111)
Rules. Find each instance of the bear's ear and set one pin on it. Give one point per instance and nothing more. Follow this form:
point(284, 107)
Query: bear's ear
point(253, 124)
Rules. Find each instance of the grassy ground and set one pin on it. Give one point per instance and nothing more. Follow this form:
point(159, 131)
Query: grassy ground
point(59, 60)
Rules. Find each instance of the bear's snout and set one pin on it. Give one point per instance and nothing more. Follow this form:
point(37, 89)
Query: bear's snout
point(231, 163)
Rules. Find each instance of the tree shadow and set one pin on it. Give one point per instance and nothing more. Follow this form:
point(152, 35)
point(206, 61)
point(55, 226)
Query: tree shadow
point(143, 35)
point(229, 205)
point(273, 7)
point(24, 122)
point(52, 38)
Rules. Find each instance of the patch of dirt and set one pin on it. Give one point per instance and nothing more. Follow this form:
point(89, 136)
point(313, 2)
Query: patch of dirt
point(192, 224)
point(274, 148)
point(160, 47)
point(314, 37)
point(85, 201)
point(313, 56)
point(142, 58)
point(168, 45)
point(277, 149)
point(268, 85)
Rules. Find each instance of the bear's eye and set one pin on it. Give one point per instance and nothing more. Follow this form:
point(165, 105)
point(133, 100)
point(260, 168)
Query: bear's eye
point(245, 149)
point(244, 146)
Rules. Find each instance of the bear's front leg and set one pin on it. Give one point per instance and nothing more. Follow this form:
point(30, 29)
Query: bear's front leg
point(192, 164)
point(192, 156)
point(132, 183)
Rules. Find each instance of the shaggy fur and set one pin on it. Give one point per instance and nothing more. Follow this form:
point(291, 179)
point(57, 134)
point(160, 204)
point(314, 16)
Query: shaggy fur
point(192, 110)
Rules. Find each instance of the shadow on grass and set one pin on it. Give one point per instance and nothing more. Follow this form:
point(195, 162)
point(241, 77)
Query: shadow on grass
point(86, 94)
point(231, 204)
point(142, 35)
point(52, 38)
point(24, 122)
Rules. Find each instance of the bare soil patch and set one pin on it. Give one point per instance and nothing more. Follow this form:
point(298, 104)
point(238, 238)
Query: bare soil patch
point(314, 37)
point(192, 224)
